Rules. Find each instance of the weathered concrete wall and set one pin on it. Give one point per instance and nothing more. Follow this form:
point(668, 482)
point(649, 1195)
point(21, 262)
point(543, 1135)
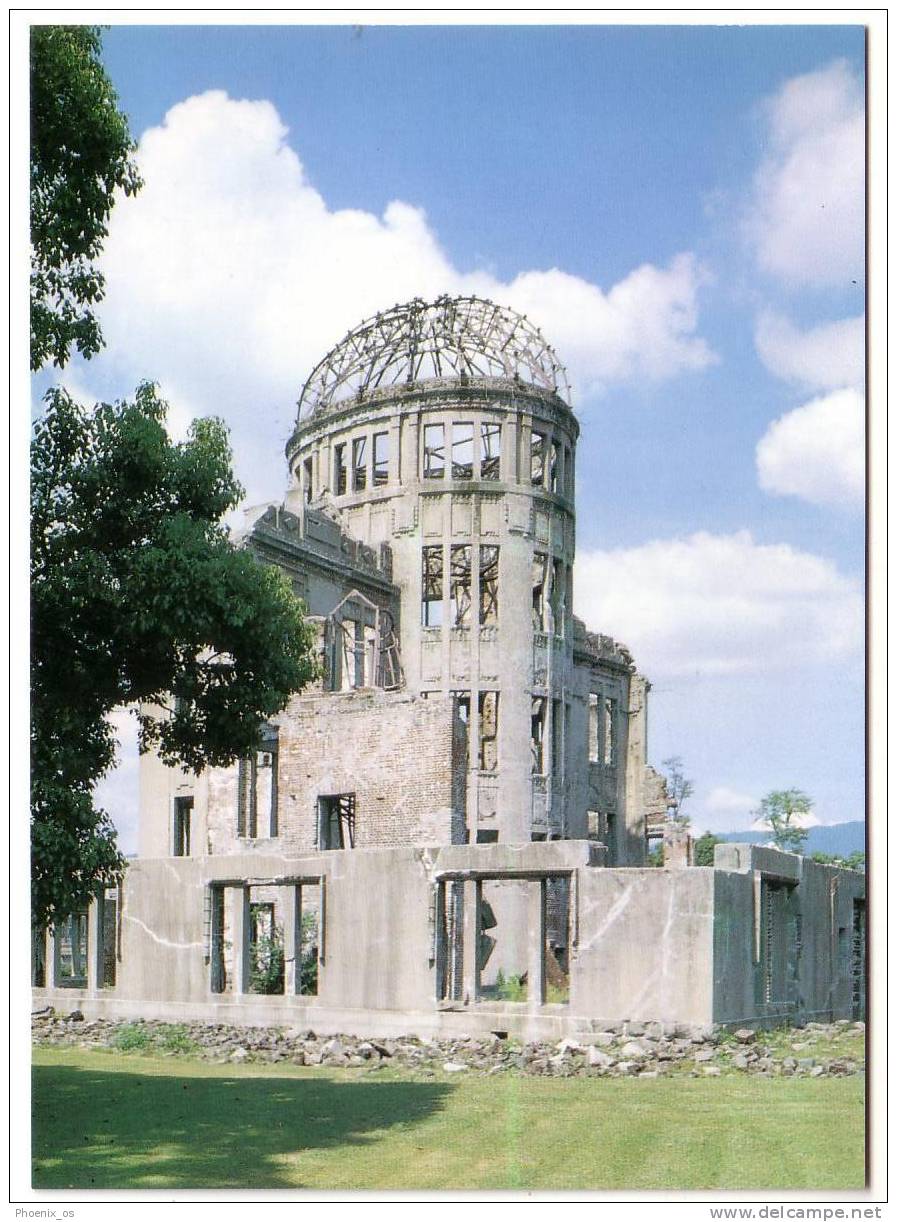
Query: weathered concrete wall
point(809, 967)
point(645, 948)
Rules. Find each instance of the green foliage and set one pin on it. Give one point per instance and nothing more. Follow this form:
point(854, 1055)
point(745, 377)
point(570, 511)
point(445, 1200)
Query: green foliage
point(655, 857)
point(267, 964)
point(80, 155)
point(510, 988)
point(780, 810)
point(133, 1037)
point(175, 1038)
point(679, 789)
point(704, 846)
point(853, 861)
point(138, 596)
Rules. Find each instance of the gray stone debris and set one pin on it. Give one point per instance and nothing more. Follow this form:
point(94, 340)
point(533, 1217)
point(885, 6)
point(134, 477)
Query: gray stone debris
point(602, 1054)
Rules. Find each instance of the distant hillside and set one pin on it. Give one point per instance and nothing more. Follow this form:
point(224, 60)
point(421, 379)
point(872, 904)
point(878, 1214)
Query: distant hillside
point(838, 838)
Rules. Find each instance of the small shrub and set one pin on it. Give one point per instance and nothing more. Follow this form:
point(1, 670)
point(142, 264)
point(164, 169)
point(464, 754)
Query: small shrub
point(132, 1037)
point(510, 988)
point(176, 1039)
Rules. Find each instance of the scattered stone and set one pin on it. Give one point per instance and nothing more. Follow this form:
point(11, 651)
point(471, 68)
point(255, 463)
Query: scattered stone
point(603, 1038)
point(712, 1070)
point(817, 1071)
point(599, 1059)
point(745, 1036)
point(633, 1049)
point(239, 1054)
point(454, 1067)
point(704, 1054)
point(635, 1028)
point(569, 1045)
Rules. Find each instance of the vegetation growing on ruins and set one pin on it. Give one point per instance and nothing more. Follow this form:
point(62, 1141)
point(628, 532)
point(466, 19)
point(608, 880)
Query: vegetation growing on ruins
point(679, 790)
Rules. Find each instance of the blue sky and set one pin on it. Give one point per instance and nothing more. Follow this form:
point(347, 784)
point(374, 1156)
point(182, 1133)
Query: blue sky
point(678, 208)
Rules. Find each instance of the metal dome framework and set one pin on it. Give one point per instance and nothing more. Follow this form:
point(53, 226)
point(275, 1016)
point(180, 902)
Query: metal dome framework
point(462, 337)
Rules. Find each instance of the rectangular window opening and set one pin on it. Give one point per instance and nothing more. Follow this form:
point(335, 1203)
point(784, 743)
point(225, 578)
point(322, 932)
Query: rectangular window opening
point(537, 459)
point(539, 569)
point(267, 919)
point(537, 734)
point(449, 940)
point(462, 451)
point(610, 732)
point(257, 788)
point(459, 593)
point(308, 949)
point(557, 736)
point(490, 458)
point(502, 947)
point(38, 958)
point(71, 942)
point(336, 821)
point(360, 464)
point(381, 459)
point(593, 728)
point(487, 835)
point(488, 584)
point(558, 595)
point(431, 592)
point(488, 705)
point(557, 939)
point(553, 467)
point(183, 815)
point(108, 927)
point(340, 474)
point(434, 451)
point(307, 480)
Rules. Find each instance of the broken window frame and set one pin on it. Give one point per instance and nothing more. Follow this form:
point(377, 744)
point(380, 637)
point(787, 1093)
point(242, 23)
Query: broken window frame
point(488, 708)
point(433, 452)
point(340, 470)
point(537, 458)
point(307, 480)
point(108, 929)
point(552, 471)
point(610, 732)
point(73, 932)
point(380, 473)
point(248, 787)
point(537, 734)
point(490, 450)
point(558, 595)
point(538, 581)
point(336, 821)
point(182, 817)
point(460, 581)
point(462, 449)
point(359, 463)
point(432, 611)
point(594, 729)
point(488, 582)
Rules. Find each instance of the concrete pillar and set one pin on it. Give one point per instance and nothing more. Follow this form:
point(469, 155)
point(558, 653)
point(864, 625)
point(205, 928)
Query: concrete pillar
point(292, 937)
point(470, 973)
point(53, 960)
point(242, 966)
point(535, 922)
point(95, 944)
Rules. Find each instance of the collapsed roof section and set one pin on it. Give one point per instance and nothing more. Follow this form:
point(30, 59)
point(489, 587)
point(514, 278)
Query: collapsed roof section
point(452, 337)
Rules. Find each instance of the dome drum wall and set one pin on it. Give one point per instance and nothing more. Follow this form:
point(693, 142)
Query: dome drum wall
point(472, 484)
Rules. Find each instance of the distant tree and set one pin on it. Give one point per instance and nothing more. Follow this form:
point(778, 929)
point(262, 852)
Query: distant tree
point(853, 861)
point(704, 846)
point(780, 810)
point(679, 789)
point(139, 597)
point(80, 155)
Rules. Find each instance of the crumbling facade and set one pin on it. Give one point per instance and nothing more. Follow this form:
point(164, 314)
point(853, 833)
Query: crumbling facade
point(448, 832)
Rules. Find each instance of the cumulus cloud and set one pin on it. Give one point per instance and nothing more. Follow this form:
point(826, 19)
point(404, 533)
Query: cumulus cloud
point(229, 276)
point(827, 357)
point(721, 604)
point(722, 800)
point(817, 452)
point(806, 218)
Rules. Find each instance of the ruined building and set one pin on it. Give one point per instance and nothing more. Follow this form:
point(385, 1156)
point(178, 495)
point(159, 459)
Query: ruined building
point(448, 833)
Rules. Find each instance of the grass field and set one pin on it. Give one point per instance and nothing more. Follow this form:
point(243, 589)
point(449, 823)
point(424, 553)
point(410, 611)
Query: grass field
point(106, 1120)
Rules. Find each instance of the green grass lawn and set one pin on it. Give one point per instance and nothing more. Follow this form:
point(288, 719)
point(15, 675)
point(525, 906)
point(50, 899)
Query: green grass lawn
point(106, 1120)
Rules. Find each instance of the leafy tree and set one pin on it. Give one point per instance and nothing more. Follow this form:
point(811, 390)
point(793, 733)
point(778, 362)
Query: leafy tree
point(853, 861)
point(80, 154)
point(704, 846)
point(780, 810)
point(679, 789)
point(139, 597)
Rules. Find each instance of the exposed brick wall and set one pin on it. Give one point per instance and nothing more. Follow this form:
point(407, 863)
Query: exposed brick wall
point(402, 757)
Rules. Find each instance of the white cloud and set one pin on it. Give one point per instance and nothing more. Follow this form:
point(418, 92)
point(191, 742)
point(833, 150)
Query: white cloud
point(229, 277)
point(807, 819)
point(721, 800)
point(817, 452)
point(720, 604)
point(827, 357)
point(806, 219)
